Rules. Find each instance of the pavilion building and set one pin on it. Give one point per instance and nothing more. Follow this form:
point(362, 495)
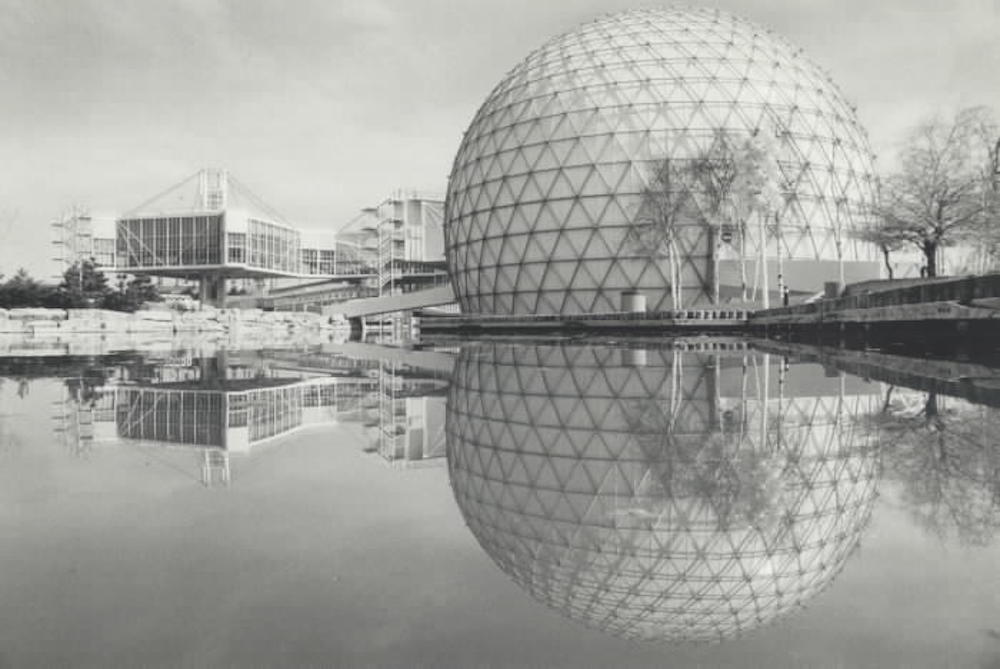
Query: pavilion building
point(211, 228)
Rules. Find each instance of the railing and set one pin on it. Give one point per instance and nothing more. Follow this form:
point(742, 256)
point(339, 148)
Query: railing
point(727, 315)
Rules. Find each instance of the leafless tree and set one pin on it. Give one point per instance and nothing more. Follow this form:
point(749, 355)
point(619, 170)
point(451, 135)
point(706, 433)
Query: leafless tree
point(665, 204)
point(943, 191)
point(886, 238)
point(735, 180)
point(722, 186)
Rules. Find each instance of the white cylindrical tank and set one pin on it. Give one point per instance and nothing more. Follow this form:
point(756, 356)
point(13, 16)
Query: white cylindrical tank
point(633, 301)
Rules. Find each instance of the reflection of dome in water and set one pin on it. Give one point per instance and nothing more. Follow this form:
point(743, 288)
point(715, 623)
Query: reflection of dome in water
point(604, 490)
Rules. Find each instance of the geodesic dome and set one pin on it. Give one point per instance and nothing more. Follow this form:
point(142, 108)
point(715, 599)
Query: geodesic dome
point(548, 179)
point(619, 490)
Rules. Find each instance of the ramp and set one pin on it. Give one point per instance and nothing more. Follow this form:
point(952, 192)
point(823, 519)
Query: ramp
point(372, 306)
point(433, 361)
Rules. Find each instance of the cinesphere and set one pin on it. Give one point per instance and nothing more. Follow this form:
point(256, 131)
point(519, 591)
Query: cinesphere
point(547, 181)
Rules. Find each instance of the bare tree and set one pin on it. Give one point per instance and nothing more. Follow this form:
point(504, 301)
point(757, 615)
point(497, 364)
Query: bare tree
point(717, 174)
point(722, 186)
point(665, 203)
point(943, 191)
point(737, 179)
point(885, 238)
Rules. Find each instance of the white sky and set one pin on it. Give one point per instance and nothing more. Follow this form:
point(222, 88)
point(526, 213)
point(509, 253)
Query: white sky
point(324, 106)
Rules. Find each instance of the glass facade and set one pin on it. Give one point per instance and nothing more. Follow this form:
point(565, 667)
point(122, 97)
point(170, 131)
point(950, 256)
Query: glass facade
point(169, 241)
point(179, 417)
point(236, 247)
point(310, 261)
point(655, 494)
point(104, 252)
point(327, 261)
point(546, 187)
point(214, 223)
point(273, 411)
point(339, 258)
point(193, 241)
point(206, 417)
point(272, 247)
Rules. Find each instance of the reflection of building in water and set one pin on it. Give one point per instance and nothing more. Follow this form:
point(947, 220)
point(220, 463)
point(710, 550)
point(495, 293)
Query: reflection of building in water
point(657, 494)
point(406, 420)
point(218, 421)
point(223, 406)
point(233, 419)
point(401, 405)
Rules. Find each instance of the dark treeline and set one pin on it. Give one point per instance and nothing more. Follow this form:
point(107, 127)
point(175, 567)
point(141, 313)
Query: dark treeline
point(83, 286)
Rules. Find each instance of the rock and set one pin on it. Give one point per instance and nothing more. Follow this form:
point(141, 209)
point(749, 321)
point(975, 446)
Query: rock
point(160, 316)
point(37, 314)
point(39, 327)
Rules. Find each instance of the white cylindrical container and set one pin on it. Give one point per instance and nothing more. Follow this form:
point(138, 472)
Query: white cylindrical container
point(633, 301)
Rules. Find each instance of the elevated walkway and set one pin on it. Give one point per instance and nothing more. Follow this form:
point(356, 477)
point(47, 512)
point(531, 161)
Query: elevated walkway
point(438, 362)
point(373, 306)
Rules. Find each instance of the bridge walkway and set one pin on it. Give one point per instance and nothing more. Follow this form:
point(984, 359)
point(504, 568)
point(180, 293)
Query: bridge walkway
point(373, 306)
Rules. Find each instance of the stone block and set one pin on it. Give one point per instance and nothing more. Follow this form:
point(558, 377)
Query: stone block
point(37, 314)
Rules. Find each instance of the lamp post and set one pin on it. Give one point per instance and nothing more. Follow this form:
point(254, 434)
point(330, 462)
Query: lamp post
point(987, 253)
point(765, 293)
point(839, 234)
point(781, 265)
point(996, 166)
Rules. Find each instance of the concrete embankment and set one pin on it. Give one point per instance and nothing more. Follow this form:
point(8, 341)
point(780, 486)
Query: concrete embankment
point(948, 300)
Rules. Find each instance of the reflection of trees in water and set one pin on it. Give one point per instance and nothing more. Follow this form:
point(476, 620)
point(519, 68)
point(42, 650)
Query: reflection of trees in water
point(84, 390)
point(9, 441)
point(739, 483)
point(944, 453)
point(80, 398)
point(990, 658)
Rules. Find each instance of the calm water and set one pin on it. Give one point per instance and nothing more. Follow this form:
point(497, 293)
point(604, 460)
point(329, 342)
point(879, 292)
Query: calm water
point(707, 504)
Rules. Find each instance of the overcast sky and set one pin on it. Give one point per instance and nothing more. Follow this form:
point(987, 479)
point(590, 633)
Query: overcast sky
point(324, 106)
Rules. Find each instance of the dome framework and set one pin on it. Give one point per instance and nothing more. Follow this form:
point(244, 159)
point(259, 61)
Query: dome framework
point(547, 182)
point(643, 499)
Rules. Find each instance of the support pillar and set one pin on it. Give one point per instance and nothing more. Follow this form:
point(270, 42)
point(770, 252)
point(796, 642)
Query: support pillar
point(212, 290)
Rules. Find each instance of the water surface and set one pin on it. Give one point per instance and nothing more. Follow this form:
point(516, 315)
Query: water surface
point(706, 504)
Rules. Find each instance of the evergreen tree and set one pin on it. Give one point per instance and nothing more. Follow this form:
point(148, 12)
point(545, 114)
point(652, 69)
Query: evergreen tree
point(22, 290)
point(84, 285)
point(132, 294)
